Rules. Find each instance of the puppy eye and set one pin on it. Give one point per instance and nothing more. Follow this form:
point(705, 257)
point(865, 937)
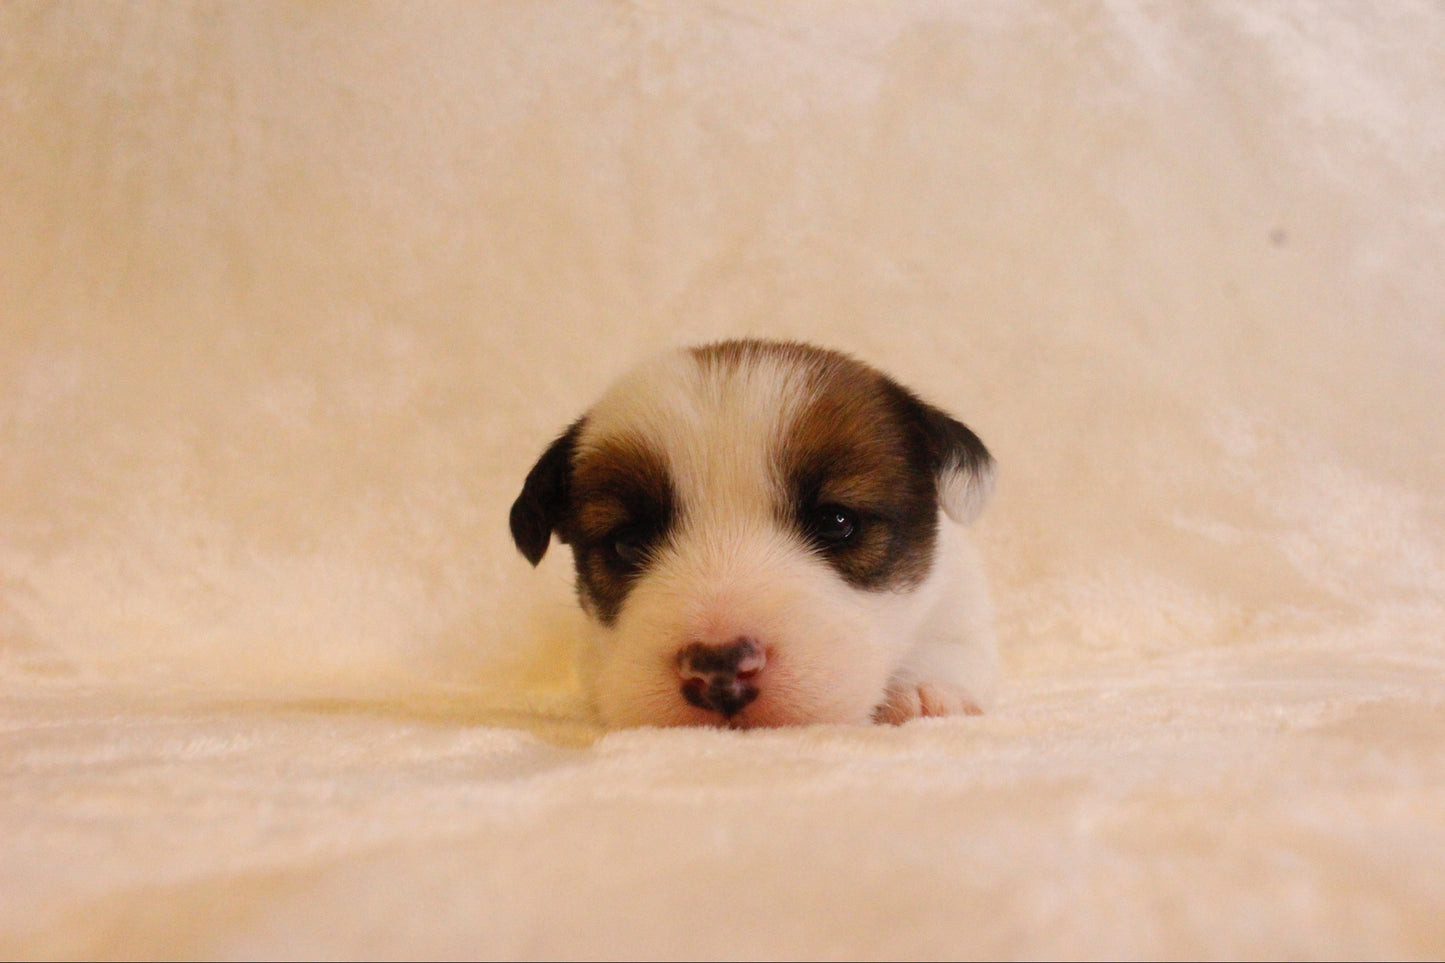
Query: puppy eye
point(627, 548)
point(832, 525)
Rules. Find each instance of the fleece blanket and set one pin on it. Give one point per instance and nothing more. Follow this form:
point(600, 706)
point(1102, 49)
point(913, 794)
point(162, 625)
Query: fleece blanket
point(292, 295)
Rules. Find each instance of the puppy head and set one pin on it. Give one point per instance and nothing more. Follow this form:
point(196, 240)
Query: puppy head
point(753, 526)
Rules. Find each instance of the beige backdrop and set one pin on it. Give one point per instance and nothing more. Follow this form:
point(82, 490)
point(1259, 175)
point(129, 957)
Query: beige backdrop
point(291, 295)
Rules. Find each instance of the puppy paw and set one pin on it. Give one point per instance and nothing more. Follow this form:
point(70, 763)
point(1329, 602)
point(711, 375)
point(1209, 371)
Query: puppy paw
point(915, 700)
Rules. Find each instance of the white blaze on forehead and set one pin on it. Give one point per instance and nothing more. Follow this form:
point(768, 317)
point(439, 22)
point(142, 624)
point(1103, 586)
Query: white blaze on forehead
point(717, 426)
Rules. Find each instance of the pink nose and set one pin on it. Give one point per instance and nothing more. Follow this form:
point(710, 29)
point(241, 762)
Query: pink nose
point(721, 678)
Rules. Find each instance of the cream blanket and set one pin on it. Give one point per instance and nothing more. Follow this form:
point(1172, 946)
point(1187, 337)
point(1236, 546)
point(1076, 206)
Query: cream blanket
point(292, 295)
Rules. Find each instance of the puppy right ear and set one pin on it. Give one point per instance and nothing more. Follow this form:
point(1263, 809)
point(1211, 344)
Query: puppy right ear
point(539, 509)
point(964, 469)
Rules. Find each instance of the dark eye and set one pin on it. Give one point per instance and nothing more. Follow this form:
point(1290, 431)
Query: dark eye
point(627, 548)
point(832, 525)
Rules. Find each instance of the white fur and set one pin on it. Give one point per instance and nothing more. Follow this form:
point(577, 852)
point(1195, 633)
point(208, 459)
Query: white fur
point(835, 653)
point(963, 494)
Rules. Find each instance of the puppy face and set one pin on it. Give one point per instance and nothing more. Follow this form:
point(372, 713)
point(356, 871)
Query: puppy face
point(754, 529)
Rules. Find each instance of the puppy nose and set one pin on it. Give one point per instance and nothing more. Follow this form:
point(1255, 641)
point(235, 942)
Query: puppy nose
point(721, 678)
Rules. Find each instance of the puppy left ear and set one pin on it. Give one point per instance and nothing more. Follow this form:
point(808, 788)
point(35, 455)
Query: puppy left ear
point(963, 467)
point(539, 508)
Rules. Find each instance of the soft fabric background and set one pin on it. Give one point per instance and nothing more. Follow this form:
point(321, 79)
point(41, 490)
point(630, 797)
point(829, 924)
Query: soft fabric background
point(291, 295)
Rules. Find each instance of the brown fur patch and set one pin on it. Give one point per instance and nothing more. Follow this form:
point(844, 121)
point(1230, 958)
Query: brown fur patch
point(858, 446)
point(621, 493)
point(862, 444)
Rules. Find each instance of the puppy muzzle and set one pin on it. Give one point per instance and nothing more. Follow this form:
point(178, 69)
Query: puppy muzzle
point(721, 678)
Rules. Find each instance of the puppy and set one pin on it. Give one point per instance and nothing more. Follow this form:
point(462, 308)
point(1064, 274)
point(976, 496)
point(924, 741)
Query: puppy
point(769, 534)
